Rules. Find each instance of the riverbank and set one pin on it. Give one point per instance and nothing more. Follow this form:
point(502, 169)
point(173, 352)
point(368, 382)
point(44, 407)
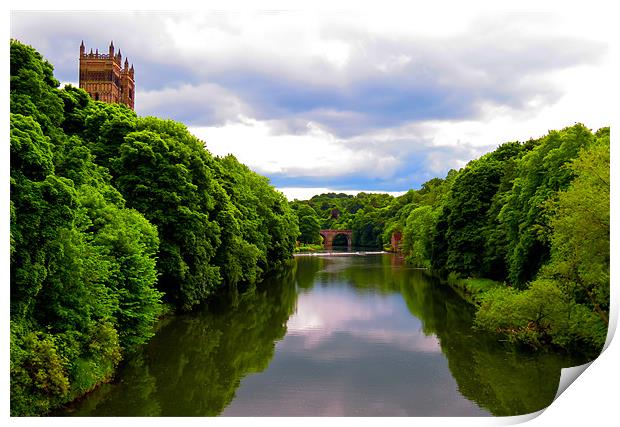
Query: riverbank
point(307, 247)
point(471, 289)
point(407, 342)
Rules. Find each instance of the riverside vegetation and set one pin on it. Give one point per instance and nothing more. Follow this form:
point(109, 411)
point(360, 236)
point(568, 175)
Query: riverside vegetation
point(522, 231)
point(113, 217)
point(116, 218)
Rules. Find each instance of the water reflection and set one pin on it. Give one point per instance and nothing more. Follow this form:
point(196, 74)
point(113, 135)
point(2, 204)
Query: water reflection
point(352, 348)
point(496, 378)
point(194, 364)
point(332, 336)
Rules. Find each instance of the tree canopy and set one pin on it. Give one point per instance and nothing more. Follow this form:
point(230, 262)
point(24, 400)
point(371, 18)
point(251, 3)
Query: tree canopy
point(112, 214)
point(535, 217)
point(531, 215)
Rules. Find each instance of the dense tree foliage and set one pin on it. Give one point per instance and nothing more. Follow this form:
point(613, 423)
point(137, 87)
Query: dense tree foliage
point(195, 364)
point(364, 214)
point(308, 220)
point(267, 225)
point(111, 213)
point(533, 216)
point(568, 302)
point(467, 216)
point(540, 175)
point(82, 263)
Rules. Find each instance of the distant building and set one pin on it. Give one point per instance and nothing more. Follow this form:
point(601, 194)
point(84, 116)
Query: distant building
point(102, 76)
point(395, 241)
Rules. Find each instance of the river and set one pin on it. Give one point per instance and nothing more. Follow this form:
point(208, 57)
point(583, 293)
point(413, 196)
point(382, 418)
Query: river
point(330, 336)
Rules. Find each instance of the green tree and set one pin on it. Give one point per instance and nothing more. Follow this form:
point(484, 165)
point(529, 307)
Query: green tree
point(267, 225)
point(309, 228)
point(541, 173)
point(418, 232)
point(308, 220)
point(568, 304)
point(416, 214)
point(468, 204)
point(82, 265)
point(161, 171)
point(34, 90)
point(580, 250)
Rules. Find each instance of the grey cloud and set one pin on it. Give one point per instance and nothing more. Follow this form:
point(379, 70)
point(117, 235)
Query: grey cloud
point(418, 160)
point(388, 80)
point(205, 104)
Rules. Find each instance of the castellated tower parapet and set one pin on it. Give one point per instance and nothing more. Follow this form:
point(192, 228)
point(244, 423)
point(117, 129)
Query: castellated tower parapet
point(104, 77)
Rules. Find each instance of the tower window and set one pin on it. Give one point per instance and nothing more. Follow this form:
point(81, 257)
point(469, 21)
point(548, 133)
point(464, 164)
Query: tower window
point(96, 96)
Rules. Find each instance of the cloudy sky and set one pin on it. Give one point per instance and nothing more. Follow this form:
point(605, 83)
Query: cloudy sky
point(373, 100)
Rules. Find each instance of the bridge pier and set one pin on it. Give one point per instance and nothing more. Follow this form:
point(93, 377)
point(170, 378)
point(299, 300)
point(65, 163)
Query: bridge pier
point(395, 241)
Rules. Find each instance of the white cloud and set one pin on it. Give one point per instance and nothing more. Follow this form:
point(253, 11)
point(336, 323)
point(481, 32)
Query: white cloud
point(586, 99)
point(315, 153)
point(317, 320)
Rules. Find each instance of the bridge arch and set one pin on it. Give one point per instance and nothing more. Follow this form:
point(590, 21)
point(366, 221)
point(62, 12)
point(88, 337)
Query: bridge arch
point(329, 235)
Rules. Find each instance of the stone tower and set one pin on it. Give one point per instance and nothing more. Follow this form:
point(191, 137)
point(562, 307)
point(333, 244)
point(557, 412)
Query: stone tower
point(102, 76)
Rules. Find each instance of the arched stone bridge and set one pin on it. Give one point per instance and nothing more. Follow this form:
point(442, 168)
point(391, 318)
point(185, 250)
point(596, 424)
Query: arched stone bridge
point(329, 235)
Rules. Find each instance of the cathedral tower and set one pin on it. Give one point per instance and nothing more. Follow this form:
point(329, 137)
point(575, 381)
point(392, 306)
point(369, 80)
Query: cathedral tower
point(102, 76)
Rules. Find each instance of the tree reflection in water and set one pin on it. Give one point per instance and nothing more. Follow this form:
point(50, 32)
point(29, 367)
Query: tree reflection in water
point(196, 362)
point(504, 380)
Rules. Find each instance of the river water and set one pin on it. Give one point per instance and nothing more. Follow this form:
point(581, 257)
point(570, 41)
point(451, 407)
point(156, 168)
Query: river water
point(330, 336)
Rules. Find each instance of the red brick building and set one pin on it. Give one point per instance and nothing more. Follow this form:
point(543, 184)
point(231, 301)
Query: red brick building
point(103, 77)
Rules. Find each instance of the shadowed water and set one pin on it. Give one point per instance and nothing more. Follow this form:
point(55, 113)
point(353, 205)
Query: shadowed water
point(331, 336)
